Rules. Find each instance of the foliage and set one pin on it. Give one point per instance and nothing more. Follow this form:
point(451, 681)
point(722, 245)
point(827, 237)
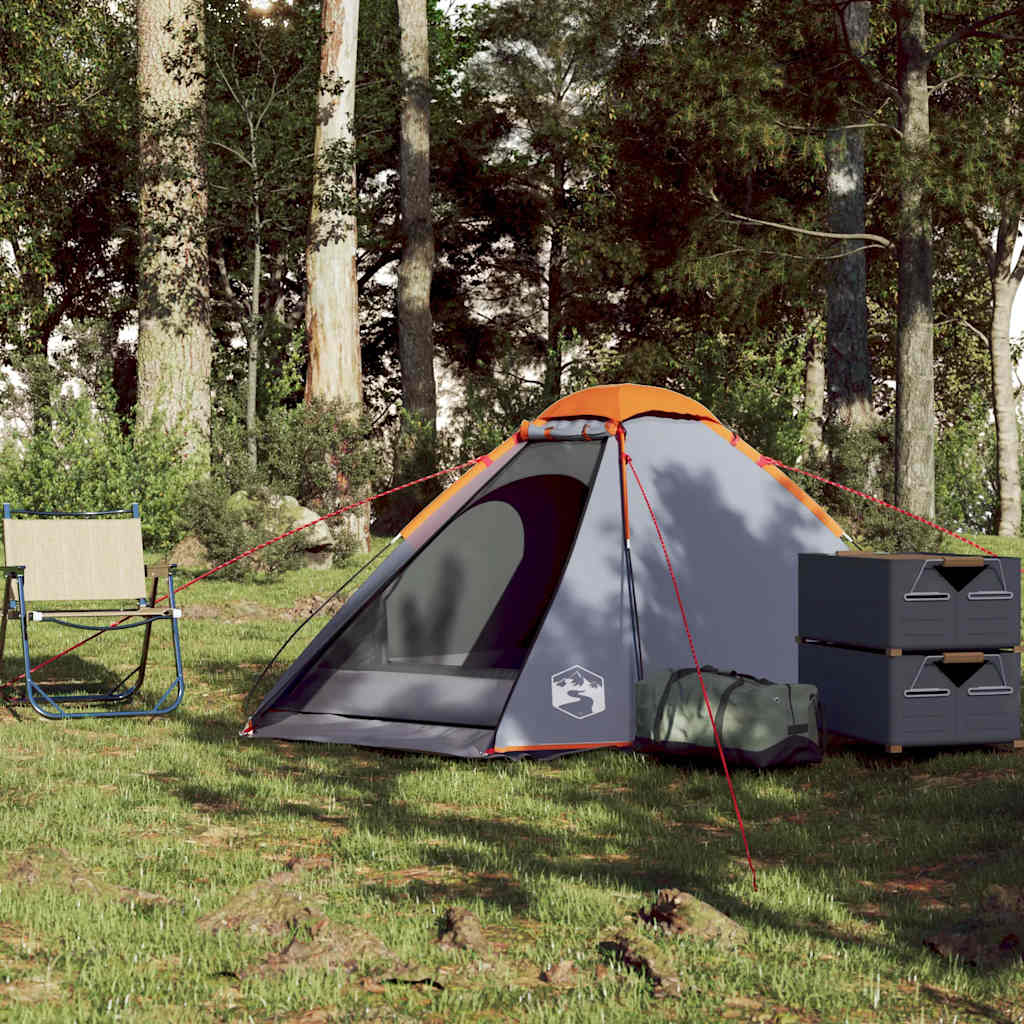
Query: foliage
point(67, 171)
point(313, 452)
point(84, 462)
point(966, 497)
point(229, 523)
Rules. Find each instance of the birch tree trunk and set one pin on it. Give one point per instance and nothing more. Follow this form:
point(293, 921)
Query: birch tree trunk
point(915, 374)
point(848, 361)
point(175, 342)
point(1006, 275)
point(335, 371)
point(415, 272)
point(814, 393)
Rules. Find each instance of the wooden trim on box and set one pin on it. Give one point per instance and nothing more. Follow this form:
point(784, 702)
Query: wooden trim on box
point(948, 561)
point(963, 658)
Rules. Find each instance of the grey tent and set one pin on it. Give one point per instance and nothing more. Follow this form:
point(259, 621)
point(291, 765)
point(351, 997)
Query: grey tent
point(518, 610)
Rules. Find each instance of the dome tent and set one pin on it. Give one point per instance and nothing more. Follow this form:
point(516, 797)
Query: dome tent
point(522, 605)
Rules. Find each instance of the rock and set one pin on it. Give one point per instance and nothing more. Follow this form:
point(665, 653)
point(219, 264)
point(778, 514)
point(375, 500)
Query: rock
point(317, 542)
point(642, 955)
point(190, 553)
point(680, 913)
point(281, 513)
point(459, 929)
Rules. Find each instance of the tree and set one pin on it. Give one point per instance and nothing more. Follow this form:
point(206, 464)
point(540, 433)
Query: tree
point(415, 326)
point(261, 100)
point(67, 169)
point(334, 371)
point(175, 343)
point(848, 362)
point(978, 106)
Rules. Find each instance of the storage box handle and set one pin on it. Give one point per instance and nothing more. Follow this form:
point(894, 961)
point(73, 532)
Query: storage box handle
point(926, 595)
point(935, 691)
point(992, 595)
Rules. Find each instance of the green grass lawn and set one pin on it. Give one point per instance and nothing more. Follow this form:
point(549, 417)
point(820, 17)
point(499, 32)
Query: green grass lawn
point(168, 870)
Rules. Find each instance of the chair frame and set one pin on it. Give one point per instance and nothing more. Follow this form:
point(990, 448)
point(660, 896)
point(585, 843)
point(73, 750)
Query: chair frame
point(51, 705)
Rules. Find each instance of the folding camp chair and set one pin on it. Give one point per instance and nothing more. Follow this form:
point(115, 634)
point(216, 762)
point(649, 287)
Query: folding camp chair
point(85, 558)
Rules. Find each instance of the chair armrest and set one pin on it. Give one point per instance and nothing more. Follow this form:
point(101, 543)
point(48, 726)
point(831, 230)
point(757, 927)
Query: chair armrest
point(158, 570)
point(11, 570)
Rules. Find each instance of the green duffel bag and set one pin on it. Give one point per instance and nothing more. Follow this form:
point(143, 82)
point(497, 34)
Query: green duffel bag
point(761, 724)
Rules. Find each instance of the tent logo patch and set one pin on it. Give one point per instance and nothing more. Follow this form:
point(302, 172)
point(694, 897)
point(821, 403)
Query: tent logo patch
point(578, 692)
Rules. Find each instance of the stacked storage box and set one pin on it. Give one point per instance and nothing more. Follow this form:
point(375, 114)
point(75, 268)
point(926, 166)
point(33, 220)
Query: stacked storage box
point(912, 649)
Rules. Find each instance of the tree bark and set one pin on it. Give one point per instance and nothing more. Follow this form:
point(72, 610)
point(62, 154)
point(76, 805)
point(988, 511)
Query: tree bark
point(1006, 275)
point(848, 361)
point(335, 370)
point(915, 373)
point(814, 393)
point(415, 326)
point(175, 341)
point(556, 291)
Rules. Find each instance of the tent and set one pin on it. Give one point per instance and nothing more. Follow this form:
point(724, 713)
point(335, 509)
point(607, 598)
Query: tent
point(519, 608)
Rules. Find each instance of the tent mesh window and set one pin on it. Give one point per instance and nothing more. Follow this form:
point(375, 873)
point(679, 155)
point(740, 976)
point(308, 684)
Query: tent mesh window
point(470, 603)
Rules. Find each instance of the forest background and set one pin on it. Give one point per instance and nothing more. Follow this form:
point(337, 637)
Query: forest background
point(254, 242)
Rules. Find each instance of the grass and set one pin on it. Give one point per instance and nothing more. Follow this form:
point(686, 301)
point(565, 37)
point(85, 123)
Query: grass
point(123, 839)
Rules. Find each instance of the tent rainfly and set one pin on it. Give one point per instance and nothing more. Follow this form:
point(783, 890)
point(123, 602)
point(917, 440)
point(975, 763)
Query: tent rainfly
point(520, 607)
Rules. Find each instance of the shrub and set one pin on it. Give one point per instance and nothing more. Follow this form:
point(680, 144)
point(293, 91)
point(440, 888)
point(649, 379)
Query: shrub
point(85, 463)
point(229, 522)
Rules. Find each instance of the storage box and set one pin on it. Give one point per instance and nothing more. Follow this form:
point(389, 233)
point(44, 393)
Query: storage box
point(920, 699)
point(917, 602)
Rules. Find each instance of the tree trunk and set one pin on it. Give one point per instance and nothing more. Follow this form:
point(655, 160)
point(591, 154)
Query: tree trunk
point(814, 393)
point(915, 370)
point(415, 327)
point(1006, 277)
point(175, 342)
point(255, 322)
point(335, 371)
point(848, 361)
point(555, 297)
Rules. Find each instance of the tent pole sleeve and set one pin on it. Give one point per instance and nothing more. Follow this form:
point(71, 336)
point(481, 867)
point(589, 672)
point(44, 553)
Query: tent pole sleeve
point(620, 436)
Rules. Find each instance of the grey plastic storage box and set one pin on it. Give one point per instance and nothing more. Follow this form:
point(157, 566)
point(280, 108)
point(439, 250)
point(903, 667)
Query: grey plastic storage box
point(915, 602)
point(920, 699)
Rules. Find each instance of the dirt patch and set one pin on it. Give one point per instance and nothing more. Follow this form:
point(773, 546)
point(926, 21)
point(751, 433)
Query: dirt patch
point(680, 913)
point(39, 988)
point(18, 940)
point(992, 936)
point(271, 907)
point(238, 612)
point(451, 882)
point(58, 869)
point(565, 973)
point(325, 946)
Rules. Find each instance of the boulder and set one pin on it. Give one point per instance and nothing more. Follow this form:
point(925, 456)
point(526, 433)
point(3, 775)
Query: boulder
point(316, 542)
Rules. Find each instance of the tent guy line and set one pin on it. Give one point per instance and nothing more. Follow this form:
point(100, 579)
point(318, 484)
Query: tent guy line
point(696, 661)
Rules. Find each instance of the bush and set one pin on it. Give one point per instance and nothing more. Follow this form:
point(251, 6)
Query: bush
point(313, 452)
point(85, 463)
point(229, 522)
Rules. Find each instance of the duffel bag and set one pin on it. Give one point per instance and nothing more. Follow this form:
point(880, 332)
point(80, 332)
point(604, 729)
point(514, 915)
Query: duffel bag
point(761, 723)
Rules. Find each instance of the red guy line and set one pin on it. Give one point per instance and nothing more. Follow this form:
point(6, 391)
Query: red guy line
point(700, 677)
point(260, 547)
